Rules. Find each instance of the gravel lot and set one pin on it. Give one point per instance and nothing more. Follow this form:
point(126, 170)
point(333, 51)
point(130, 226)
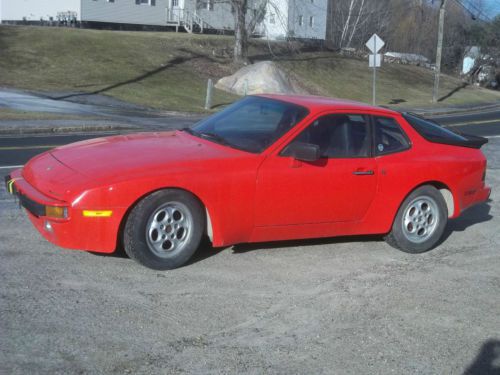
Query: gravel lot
point(337, 306)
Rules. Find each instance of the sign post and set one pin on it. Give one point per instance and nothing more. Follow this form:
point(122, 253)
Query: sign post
point(375, 44)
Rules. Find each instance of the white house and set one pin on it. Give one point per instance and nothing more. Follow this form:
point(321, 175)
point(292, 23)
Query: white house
point(276, 19)
point(138, 12)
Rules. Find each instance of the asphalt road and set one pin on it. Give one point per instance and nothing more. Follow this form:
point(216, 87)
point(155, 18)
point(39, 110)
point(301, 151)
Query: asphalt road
point(484, 123)
point(92, 110)
point(330, 306)
point(17, 149)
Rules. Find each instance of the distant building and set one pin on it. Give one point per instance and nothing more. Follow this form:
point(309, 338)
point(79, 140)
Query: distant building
point(279, 19)
point(39, 11)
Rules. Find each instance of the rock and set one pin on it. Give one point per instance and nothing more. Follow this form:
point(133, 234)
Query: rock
point(259, 78)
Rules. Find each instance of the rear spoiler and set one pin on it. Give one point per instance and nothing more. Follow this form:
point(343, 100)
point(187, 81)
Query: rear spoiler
point(472, 141)
point(463, 139)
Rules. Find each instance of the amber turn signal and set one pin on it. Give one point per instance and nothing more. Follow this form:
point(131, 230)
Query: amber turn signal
point(102, 213)
point(56, 212)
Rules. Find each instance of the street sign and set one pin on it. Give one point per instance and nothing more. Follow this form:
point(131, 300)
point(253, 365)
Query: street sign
point(374, 61)
point(375, 44)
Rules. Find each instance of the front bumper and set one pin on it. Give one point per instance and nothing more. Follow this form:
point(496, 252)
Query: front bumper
point(77, 232)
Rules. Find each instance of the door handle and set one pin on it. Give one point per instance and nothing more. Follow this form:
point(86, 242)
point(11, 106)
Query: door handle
point(363, 173)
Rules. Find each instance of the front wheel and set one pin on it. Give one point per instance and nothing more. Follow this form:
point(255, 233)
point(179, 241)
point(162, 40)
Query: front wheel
point(164, 229)
point(420, 221)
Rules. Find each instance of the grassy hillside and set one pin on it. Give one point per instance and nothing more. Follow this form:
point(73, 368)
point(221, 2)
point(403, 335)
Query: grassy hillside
point(169, 71)
point(403, 85)
point(160, 70)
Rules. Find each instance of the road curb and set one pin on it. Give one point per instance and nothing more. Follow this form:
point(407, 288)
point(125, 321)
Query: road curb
point(64, 129)
point(453, 111)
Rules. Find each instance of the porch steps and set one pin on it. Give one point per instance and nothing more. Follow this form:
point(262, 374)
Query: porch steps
point(189, 21)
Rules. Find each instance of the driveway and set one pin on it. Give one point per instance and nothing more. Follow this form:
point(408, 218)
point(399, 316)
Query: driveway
point(97, 110)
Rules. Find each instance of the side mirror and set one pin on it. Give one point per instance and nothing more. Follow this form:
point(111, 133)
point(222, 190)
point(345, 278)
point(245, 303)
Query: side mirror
point(302, 151)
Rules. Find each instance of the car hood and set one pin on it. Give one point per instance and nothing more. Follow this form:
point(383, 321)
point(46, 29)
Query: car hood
point(109, 160)
point(52, 178)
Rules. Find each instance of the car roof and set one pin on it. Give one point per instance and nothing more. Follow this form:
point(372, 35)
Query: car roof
point(319, 103)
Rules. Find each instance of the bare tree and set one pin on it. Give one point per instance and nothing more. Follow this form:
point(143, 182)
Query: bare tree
point(350, 21)
point(245, 24)
point(239, 8)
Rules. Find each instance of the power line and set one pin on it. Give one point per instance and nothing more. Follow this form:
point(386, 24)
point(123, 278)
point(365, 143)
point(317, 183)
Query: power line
point(478, 12)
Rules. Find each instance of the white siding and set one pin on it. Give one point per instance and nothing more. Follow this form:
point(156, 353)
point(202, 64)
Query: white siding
point(307, 9)
point(125, 11)
point(220, 17)
point(34, 10)
point(276, 19)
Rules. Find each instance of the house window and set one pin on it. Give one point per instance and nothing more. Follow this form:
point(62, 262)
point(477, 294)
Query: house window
point(301, 20)
point(210, 4)
point(311, 21)
point(175, 3)
point(146, 2)
point(111, 1)
point(272, 18)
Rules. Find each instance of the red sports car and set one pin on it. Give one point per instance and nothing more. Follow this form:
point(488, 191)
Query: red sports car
point(266, 168)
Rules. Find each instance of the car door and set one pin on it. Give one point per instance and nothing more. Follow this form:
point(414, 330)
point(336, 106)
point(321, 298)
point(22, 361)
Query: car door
point(339, 187)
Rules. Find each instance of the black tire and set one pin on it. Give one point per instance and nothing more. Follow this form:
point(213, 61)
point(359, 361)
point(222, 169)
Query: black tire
point(420, 221)
point(164, 229)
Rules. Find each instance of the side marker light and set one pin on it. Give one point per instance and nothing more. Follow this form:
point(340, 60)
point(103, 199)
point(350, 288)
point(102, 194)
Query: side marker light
point(102, 213)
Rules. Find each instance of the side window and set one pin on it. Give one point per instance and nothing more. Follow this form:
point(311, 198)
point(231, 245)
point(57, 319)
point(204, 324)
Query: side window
point(389, 137)
point(338, 136)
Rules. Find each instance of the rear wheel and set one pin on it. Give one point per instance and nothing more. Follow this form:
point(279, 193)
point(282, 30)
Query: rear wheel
point(164, 229)
point(420, 221)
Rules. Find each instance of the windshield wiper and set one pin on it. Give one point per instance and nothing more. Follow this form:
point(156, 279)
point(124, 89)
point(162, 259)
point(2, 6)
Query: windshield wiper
point(214, 137)
point(207, 135)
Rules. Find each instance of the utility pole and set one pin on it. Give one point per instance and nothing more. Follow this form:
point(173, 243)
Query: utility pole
point(439, 51)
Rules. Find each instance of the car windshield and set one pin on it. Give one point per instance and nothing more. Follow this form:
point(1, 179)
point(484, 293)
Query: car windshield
point(251, 124)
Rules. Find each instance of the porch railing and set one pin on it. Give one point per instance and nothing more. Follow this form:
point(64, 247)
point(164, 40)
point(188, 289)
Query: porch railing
point(185, 18)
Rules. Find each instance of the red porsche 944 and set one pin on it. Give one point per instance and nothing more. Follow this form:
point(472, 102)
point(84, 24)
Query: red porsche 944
point(266, 168)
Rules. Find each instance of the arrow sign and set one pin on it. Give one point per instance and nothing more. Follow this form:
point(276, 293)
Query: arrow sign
point(375, 44)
